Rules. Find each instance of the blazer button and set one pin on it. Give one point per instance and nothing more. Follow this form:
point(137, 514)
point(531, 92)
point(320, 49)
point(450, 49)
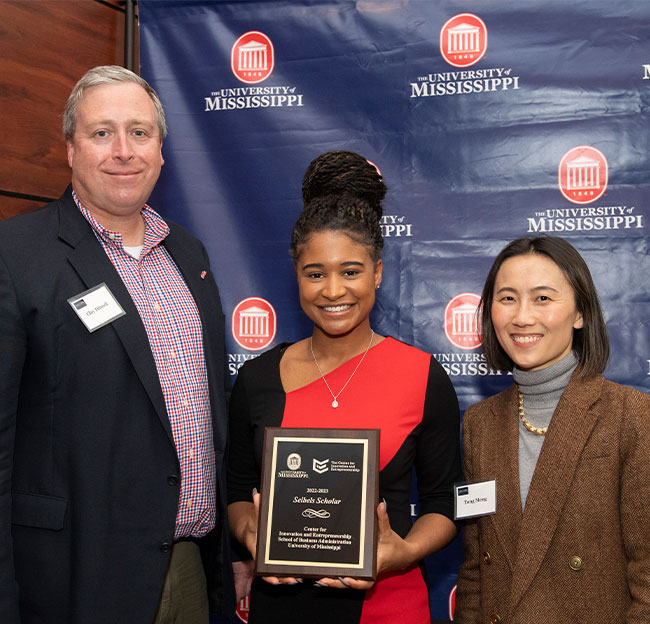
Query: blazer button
point(575, 563)
point(165, 547)
point(495, 619)
point(172, 480)
point(487, 558)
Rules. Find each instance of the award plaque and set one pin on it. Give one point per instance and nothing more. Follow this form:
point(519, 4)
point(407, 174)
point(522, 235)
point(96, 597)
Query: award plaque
point(318, 513)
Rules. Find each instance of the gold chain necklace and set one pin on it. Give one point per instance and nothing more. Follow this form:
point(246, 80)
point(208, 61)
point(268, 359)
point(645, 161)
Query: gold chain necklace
point(335, 397)
point(527, 423)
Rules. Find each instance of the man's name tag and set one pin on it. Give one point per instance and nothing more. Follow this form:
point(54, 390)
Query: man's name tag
point(96, 307)
point(475, 499)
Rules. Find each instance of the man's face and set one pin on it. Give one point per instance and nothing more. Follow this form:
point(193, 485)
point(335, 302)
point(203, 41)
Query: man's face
point(115, 154)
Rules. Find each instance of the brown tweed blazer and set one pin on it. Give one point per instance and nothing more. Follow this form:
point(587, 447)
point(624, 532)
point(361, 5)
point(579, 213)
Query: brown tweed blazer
point(580, 552)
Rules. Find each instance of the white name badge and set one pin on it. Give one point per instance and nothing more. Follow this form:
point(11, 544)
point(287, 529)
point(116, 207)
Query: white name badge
point(96, 307)
point(475, 499)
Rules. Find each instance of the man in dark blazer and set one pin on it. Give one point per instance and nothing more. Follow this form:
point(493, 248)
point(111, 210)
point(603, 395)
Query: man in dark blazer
point(112, 388)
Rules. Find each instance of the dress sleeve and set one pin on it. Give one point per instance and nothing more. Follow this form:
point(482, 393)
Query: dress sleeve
point(437, 460)
point(469, 581)
point(243, 472)
point(635, 492)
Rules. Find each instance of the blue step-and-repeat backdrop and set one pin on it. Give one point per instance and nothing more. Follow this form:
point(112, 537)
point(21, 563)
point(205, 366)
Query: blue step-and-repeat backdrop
point(488, 120)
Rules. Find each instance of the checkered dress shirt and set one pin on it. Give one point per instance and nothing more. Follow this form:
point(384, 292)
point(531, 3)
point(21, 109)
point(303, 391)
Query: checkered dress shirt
point(173, 326)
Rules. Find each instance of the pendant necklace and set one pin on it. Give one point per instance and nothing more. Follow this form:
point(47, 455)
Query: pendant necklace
point(335, 397)
point(525, 421)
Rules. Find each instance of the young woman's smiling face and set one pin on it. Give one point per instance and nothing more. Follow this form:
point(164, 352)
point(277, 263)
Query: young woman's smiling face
point(534, 311)
point(337, 280)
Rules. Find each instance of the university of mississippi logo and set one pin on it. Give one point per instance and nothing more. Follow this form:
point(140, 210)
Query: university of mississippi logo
point(452, 602)
point(582, 174)
point(243, 607)
point(254, 323)
point(293, 461)
point(463, 40)
point(462, 321)
point(252, 57)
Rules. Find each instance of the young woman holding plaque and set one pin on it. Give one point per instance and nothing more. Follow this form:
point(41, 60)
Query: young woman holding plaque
point(569, 452)
point(347, 376)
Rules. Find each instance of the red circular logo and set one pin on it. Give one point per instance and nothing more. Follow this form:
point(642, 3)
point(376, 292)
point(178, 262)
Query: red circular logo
point(254, 324)
point(462, 324)
point(243, 607)
point(252, 58)
point(582, 174)
point(463, 40)
point(452, 602)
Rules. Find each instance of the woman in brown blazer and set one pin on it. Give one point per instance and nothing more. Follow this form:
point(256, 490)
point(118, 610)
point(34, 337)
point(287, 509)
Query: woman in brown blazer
point(569, 451)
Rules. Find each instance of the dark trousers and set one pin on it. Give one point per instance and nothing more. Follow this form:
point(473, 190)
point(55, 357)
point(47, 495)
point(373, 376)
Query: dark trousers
point(184, 598)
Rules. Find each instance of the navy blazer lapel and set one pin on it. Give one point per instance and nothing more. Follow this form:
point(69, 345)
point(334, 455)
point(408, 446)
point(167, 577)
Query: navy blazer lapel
point(570, 428)
point(93, 266)
point(502, 442)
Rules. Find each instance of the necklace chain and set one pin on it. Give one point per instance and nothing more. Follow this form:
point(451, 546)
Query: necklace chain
point(335, 397)
point(527, 423)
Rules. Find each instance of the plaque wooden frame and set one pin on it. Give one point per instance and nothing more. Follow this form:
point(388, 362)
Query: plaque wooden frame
point(361, 561)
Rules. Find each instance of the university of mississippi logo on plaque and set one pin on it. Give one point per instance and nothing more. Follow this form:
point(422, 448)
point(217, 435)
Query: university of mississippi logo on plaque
point(463, 40)
point(254, 323)
point(252, 57)
point(582, 174)
point(462, 321)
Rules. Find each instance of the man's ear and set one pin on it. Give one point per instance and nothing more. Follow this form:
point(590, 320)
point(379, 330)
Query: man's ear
point(69, 146)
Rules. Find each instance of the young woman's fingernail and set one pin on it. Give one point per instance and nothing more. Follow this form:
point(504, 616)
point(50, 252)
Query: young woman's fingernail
point(254, 491)
point(319, 584)
point(344, 581)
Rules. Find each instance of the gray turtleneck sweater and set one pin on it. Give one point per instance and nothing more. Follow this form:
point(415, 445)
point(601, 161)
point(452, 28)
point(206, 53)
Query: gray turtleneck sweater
point(541, 390)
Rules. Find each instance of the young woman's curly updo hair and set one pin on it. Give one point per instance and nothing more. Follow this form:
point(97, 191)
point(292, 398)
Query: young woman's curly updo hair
point(343, 172)
point(340, 212)
point(590, 343)
point(342, 191)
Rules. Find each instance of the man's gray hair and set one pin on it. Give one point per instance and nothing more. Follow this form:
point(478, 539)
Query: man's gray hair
point(104, 75)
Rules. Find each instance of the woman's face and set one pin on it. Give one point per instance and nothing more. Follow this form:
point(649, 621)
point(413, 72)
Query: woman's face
point(534, 311)
point(337, 280)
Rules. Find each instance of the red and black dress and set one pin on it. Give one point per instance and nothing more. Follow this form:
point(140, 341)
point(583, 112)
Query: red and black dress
point(398, 389)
